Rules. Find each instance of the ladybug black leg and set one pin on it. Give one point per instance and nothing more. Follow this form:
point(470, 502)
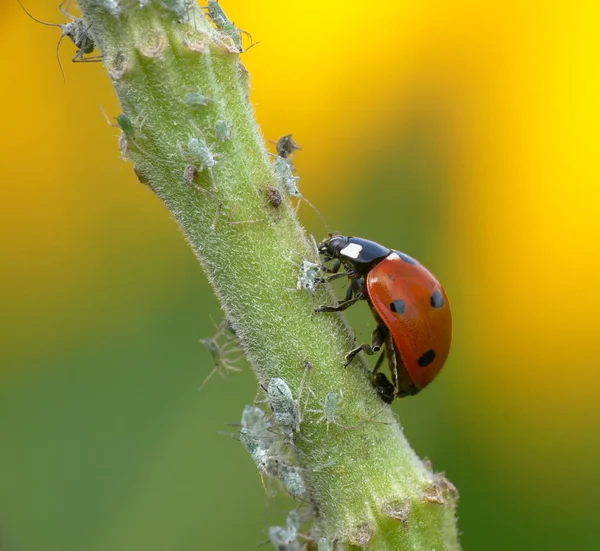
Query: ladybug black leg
point(341, 306)
point(336, 276)
point(379, 362)
point(377, 340)
point(384, 388)
point(335, 267)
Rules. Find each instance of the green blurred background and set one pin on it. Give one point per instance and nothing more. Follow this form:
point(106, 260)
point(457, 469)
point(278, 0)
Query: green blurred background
point(463, 133)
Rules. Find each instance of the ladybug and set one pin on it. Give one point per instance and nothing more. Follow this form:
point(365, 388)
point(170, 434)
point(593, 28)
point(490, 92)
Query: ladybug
point(411, 308)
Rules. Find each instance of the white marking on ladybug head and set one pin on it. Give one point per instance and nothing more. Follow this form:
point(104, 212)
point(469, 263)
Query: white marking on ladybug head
point(352, 250)
point(393, 256)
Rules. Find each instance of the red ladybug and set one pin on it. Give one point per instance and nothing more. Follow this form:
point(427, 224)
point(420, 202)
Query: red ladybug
point(409, 304)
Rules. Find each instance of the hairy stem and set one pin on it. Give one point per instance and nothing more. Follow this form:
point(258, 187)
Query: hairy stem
point(190, 130)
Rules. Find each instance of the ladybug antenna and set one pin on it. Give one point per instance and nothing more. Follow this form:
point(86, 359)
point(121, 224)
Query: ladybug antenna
point(36, 19)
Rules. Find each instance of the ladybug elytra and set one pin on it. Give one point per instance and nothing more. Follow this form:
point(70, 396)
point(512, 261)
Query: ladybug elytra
point(414, 322)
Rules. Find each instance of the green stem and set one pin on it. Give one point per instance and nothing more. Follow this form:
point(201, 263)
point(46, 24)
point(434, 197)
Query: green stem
point(190, 130)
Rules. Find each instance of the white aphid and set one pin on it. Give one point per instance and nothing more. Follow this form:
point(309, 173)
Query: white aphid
point(292, 479)
point(285, 408)
point(284, 174)
point(309, 275)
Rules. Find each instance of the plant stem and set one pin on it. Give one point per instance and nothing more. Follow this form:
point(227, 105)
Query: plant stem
point(190, 130)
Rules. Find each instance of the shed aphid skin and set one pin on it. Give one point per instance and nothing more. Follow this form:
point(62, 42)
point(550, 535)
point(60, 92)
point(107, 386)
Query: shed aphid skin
point(258, 437)
point(285, 538)
point(225, 351)
point(77, 30)
point(227, 27)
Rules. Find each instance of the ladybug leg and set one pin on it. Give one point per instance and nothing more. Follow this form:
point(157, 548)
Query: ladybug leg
point(335, 267)
point(341, 306)
point(355, 288)
point(377, 340)
point(384, 388)
point(336, 276)
point(379, 362)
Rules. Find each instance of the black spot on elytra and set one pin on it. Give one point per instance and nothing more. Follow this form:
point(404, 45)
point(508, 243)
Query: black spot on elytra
point(437, 300)
point(406, 258)
point(426, 358)
point(398, 306)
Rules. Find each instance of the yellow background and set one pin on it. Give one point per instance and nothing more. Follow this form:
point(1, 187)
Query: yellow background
point(464, 133)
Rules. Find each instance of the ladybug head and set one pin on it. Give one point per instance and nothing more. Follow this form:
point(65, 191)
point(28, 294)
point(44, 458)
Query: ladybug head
point(332, 246)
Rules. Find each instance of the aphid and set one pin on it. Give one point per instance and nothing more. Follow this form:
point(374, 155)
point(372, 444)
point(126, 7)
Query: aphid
point(190, 175)
point(329, 409)
point(285, 176)
point(292, 479)
point(225, 25)
point(324, 545)
point(225, 351)
point(223, 130)
point(196, 99)
point(179, 8)
point(286, 410)
point(410, 306)
point(289, 184)
point(77, 30)
point(286, 146)
point(126, 125)
point(202, 153)
point(274, 196)
point(200, 150)
point(310, 273)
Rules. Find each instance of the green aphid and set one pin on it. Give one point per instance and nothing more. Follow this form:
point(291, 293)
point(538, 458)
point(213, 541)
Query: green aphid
point(126, 125)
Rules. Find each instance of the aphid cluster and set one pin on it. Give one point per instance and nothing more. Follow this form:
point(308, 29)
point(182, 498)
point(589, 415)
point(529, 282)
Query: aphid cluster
point(220, 20)
point(260, 438)
point(285, 538)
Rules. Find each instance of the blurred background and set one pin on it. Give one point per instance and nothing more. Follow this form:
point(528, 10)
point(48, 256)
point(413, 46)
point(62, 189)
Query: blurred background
point(463, 133)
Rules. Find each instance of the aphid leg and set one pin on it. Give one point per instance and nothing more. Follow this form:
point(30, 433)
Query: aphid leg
point(78, 58)
point(235, 222)
point(377, 340)
point(213, 226)
point(65, 9)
